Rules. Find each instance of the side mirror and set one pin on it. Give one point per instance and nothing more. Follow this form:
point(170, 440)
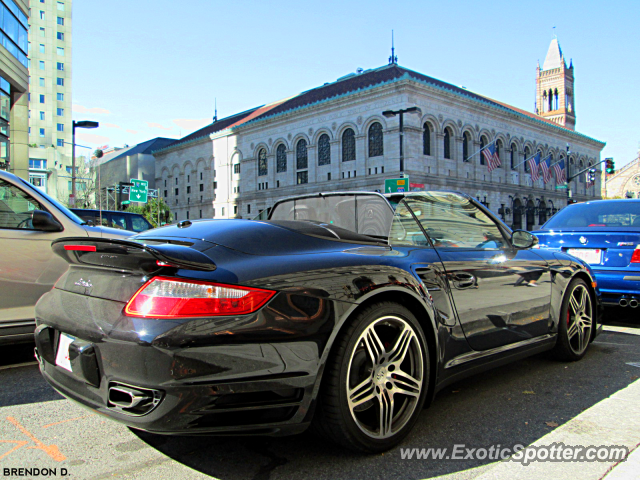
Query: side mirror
point(523, 239)
point(45, 222)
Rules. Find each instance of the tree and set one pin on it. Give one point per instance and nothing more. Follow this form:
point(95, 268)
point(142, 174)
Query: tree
point(150, 211)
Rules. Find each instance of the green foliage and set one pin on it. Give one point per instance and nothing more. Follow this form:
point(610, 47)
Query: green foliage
point(150, 211)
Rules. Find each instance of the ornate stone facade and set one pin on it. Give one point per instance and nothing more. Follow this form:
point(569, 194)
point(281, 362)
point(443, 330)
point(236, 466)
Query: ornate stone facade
point(335, 137)
point(625, 183)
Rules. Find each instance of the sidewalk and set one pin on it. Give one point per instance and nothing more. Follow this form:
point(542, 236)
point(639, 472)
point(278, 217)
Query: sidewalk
point(613, 421)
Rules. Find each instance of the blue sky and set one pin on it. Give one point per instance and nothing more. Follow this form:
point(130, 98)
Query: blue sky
point(153, 68)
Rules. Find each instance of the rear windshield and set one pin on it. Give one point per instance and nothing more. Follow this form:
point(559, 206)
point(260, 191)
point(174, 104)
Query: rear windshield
point(625, 213)
point(365, 214)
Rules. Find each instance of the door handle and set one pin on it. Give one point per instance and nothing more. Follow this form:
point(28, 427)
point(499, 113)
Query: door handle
point(463, 280)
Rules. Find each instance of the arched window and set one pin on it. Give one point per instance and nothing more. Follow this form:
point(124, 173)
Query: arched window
point(426, 139)
point(570, 168)
point(527, 154)
point(531, 217)
point(514, 156)
point(348, 145)
point(499, 151)
point(550, 100)
point(447, 143)
point(376, 148)
point(580, 168)
point(324, 150)
point(262, 162)
point(555, 98)
point(542, 213)
point(483, 143)
point(544, 101)
point(517, 215)
point(466, 141)
point(302, 160)
point(281, 158)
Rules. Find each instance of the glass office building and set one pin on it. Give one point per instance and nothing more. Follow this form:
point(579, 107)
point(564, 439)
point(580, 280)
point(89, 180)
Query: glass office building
point(14, 83)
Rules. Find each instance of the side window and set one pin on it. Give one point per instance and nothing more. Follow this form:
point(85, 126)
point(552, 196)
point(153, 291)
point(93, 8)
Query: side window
point(452, 221)
point(16, 207)
point(405, 231)
point(139, 224)
point(118, 221)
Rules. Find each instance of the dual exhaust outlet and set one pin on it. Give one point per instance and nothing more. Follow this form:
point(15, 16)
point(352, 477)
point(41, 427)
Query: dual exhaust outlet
point(628, 302)
point(132, 400)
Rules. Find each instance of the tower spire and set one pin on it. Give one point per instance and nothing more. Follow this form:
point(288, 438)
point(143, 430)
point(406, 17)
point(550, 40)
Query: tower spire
point(215, 115)
point(393, 59)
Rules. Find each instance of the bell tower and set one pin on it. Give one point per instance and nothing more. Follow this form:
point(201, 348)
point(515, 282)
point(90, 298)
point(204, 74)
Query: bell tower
point(554, 88)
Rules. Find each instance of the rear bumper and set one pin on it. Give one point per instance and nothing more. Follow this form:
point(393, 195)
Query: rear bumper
point(209, 375)
point(618, 284)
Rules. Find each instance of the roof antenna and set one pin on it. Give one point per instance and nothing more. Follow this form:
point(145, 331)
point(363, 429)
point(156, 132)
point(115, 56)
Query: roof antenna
point(393, 59)
point(554, 33)
point(215, 115)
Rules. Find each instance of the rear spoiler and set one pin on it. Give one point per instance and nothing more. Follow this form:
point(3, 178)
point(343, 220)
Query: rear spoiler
point(130, 255)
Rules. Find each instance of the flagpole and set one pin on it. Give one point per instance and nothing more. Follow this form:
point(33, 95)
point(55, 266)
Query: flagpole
point(525, 161)
point(486, 146)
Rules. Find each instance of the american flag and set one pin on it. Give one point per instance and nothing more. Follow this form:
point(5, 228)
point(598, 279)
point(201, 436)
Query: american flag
point(491, 157)
point(546, 171)
point(561, 173)
point(589, 182)
point(533, 166)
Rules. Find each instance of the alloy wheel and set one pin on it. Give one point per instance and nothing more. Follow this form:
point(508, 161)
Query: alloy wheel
point(385, 377)
point(579, 319)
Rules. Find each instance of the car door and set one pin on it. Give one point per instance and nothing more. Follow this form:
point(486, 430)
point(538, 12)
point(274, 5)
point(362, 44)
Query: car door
point(28, 267)
point(501, 294)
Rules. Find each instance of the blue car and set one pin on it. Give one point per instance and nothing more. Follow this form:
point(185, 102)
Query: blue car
point(606, 235)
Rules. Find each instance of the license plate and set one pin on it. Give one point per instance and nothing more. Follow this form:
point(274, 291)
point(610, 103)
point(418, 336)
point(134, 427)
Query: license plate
point(62, 357)
point(593, 256)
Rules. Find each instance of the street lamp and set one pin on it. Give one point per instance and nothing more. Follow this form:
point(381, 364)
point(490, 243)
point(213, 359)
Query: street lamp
point(74, 125)
point(401, 112)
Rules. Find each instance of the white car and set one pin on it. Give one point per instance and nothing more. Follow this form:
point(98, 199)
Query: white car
point(29, 221)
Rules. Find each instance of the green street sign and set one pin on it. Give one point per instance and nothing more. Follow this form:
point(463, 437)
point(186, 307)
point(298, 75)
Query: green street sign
point(125, 202)
point(138, 192)
point(560, 187)
point(396, 185)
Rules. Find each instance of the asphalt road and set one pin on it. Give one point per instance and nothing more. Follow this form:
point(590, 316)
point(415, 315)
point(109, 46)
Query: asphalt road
point(507, 406)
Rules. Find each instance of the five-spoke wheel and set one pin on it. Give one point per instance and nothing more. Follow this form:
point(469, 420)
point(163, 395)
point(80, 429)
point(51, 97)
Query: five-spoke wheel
point(576, 322)
point(375, 385)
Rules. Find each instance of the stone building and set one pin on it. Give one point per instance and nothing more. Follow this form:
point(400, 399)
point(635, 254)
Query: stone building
point(335, 137)
point(625, 183)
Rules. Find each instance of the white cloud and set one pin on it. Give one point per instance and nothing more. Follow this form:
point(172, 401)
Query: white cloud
point(158, 126)
point(92, 138)
point(192, 124)
point(96, 110)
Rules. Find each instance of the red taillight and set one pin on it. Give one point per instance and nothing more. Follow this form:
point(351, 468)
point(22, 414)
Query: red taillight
point(635, 258)
point(81, 248)
point(163, 297)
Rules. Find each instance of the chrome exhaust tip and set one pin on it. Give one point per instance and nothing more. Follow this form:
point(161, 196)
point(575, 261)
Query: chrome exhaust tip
point(633, 303)
point(125, 397)
point(623, 302)
point(132, 400)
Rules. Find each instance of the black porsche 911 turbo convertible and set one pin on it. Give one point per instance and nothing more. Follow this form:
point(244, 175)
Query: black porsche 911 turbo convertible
point(337, 312)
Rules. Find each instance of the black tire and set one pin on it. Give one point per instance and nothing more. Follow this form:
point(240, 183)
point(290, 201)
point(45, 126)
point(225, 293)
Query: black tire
point(576, 322)
point(371, 406)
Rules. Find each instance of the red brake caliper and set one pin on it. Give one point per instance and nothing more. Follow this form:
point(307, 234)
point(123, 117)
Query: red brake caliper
point(568, 317)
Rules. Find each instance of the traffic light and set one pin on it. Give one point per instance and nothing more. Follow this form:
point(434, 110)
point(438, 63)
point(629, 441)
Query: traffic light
point(609, 166)
point(592, 175)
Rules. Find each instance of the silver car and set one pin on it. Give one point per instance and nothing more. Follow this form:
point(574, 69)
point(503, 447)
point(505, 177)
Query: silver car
point(29, 221)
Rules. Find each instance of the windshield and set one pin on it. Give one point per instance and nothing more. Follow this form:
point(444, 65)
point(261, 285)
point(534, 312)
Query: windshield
point(367, 214)
point(55, 203)
point(625, 213)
